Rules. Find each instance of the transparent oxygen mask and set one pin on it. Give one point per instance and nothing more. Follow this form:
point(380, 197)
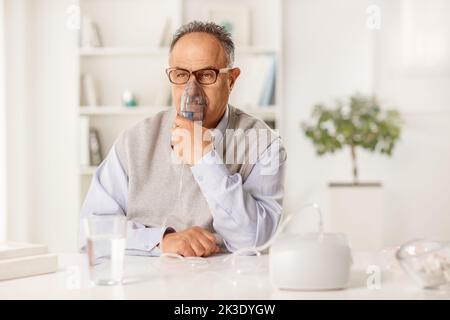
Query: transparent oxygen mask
point(193, 101)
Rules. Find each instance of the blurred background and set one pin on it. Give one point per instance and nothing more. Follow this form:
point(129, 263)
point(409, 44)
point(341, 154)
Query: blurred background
point(73, 74)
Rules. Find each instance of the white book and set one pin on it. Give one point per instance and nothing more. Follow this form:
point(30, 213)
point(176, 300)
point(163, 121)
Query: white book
point(28, 266)
point(89, 93)
point(9, 250)
point(90, 33)
point(23, 259)
point(269, 85)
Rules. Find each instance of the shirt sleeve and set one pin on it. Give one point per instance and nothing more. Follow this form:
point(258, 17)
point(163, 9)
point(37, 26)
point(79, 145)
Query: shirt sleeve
point(245, 214)
point(108, 194)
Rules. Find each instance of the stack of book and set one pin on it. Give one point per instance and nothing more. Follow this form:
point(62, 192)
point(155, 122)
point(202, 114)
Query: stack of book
point(22, 260)
point(90, 146)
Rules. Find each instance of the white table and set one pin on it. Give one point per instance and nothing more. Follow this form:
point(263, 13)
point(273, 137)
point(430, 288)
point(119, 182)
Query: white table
point(146, 279)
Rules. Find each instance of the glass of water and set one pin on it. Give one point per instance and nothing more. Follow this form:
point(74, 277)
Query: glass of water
point(106, 240)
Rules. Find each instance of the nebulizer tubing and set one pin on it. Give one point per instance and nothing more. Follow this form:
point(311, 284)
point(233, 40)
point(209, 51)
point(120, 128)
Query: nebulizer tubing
point(257, 250)
point(200, 261)
point(193, 103)
point(192, 261)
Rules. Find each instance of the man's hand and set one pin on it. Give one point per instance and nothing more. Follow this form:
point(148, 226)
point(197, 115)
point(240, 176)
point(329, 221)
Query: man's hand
point(190, 140)
point(192, 242)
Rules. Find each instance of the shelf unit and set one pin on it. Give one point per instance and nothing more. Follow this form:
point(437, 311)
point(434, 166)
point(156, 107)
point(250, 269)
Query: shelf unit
point(131, 58)
point(267, 113)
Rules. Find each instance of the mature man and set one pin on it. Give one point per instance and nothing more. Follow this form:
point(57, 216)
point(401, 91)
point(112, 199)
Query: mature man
point(225, 191)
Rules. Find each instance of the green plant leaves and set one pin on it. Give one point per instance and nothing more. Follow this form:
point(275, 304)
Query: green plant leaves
point(359, 122)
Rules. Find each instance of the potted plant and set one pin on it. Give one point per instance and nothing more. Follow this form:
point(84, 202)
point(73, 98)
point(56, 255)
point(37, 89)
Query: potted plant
point(355, 124)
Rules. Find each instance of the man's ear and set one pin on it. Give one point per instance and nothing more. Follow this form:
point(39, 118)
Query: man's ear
point(234, 74)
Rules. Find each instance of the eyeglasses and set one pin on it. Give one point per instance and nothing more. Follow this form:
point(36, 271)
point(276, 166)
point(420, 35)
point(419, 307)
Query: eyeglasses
point(203, 76)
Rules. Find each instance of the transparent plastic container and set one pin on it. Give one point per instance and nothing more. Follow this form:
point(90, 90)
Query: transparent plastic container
point(427, 262)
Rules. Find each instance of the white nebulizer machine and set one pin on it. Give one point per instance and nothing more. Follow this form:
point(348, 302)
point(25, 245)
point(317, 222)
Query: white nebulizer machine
point(310, 260)
point(307, 260)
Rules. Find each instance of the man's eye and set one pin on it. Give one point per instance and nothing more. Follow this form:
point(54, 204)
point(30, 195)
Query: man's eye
point(205, 76)
point(181, 75)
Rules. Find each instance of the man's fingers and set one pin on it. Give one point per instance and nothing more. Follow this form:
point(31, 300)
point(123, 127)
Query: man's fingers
point(175, 136)
point(182, 122)
point(198, 247)
point(209, 235)
point(179, 135)
point(178, 149)
point(185, 249)
point(195, 241)
point(207, 244)
point(209, 240)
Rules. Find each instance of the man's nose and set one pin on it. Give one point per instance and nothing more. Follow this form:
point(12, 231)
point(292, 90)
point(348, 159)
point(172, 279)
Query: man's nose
point(193, 87)
point(190, 83)
point(193, 80)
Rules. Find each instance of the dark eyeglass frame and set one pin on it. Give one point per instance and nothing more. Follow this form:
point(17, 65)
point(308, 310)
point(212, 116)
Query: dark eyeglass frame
point(216, 71)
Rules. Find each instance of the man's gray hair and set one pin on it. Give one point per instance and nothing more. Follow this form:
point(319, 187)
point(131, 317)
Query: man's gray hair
point(217, 31)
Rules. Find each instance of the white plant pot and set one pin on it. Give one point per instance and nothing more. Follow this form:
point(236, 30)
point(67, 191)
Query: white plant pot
point(358, 211)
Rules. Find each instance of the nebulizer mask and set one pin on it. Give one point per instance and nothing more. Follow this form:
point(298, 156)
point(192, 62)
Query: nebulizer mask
point(193, 104)
point(193, 101)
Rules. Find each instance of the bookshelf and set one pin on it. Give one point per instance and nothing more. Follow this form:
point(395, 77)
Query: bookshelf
point(133, 56)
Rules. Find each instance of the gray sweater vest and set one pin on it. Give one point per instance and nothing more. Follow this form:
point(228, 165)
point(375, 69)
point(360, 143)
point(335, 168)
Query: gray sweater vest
point(154, 197)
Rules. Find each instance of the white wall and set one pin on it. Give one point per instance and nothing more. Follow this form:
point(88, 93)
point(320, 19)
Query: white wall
point(54, 93)
point(3, 194)
point(329, 54)
point(16, 89)
point(42, 124)
point(415, 79)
